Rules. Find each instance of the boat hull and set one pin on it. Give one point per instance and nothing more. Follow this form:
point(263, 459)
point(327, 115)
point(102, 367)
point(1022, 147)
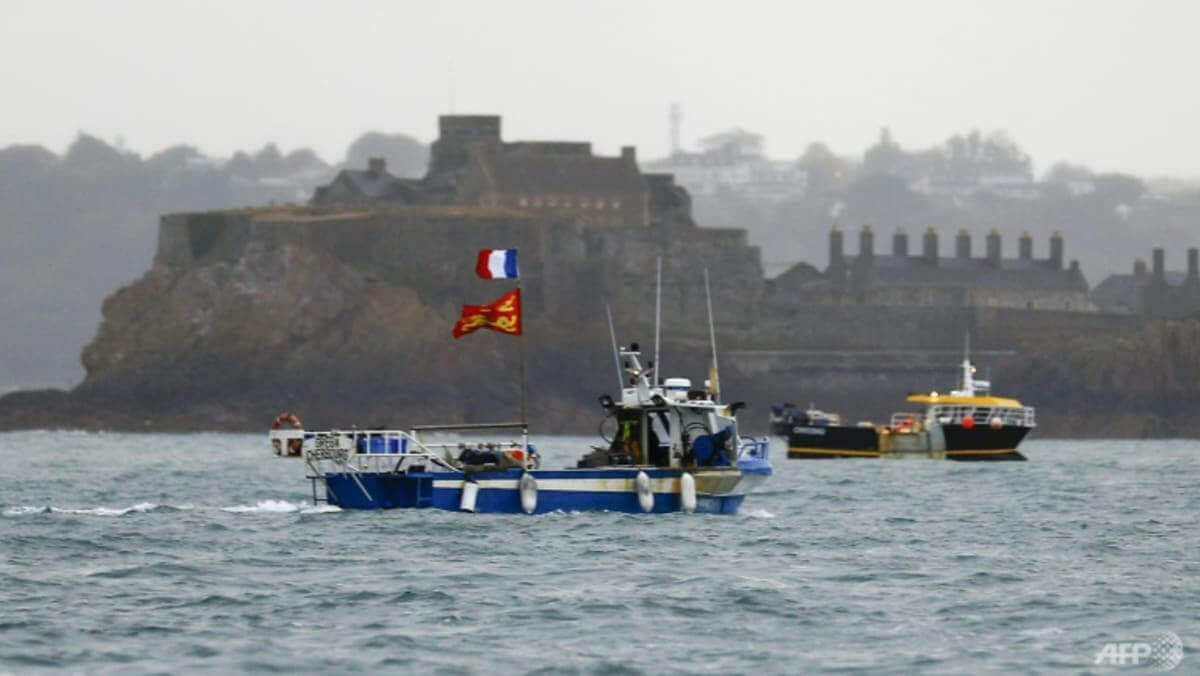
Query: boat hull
point(979, 443)
point(718, 491)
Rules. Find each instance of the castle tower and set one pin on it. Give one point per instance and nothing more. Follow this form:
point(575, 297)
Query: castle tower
point(457, 134)
point(962, 244)
point(929, 248)
point(900, 243)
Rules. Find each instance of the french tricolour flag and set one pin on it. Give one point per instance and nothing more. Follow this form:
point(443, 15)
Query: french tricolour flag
point(497, 264)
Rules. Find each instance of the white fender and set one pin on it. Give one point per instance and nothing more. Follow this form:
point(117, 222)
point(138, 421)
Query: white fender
point(687, 492)
point(470, 491)
point(644, 492)
point(528, 488)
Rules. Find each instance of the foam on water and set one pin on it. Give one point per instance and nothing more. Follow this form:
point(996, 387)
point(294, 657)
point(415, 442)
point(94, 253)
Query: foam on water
point(281, 507)
point(139, 508)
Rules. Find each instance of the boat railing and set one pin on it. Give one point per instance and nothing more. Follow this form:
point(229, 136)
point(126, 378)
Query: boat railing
point(393, 451)
point(955, 414)
point(368, 450)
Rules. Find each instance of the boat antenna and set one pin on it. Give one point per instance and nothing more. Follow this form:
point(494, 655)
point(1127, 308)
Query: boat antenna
point(616, 353)
point(712, 337)
point(657, 322)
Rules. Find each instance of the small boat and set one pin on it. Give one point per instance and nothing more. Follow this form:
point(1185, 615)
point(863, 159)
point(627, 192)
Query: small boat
point(966, 424)
point(669, 448)
point(787, 416)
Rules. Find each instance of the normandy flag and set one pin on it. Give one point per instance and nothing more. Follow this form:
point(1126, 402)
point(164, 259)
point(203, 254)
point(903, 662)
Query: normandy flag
point(502, 314)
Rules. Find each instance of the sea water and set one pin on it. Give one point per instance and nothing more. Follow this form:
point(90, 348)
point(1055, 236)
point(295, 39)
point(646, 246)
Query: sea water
point(131, 554)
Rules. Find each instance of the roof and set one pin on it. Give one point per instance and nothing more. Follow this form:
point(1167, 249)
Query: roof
point(1012, 273)
point(1124, 292)
point(379, 184)
point(953, 400)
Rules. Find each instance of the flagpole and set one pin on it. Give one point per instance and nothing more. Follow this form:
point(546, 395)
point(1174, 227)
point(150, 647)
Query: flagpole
point(521, 341)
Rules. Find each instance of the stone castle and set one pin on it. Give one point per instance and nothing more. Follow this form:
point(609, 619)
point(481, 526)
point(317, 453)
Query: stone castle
point(589, 228)
point(470, 165)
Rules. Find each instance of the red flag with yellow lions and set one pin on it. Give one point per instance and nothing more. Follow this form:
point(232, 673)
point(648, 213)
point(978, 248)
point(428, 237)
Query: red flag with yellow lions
point(502, 314)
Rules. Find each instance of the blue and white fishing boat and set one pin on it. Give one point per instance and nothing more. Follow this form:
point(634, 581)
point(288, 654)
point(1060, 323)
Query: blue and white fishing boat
point(671, 448)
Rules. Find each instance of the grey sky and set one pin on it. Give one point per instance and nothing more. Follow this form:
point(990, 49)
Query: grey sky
point(1110, 85)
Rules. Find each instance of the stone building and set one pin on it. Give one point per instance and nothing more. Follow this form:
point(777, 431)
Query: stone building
point(470, 165)
point(926, 277)
point(1157, 293)
point(590, 229)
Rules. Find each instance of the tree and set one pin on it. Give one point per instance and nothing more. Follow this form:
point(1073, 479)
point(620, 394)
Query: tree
point(824, 170)
point(1119, 188)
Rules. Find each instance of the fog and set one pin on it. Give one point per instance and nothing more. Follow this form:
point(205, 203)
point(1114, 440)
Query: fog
point(1107, 85)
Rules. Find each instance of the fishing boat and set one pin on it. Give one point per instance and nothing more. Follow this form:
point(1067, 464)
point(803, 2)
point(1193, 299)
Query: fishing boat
point(668, 447)
point(671, 448)
point(968, 423)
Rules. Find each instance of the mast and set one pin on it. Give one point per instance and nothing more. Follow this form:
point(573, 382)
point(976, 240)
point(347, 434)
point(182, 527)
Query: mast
point(616, 352)
point(657, 322)
point(712, 337)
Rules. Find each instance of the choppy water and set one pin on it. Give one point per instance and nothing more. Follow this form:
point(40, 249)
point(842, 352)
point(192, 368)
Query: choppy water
point(201, 553)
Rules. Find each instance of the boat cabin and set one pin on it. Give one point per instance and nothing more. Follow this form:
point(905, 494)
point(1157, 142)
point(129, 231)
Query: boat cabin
point(664, 425)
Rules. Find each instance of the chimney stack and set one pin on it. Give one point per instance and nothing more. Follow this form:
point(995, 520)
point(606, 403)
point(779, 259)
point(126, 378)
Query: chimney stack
point(1025, 246)
point(993, 247)
point(835, 246)
point(962, 244)
point(866, 246)
point(930, 248)
point(1056, 250)
point(629, 154)
point(900, 243)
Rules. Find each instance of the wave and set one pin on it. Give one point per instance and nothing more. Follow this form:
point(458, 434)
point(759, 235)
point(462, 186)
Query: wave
point(759, 514)
point(139, 508)
point(281, 507)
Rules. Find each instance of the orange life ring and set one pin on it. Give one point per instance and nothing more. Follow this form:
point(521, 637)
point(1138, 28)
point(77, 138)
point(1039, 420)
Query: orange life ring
point(293, 445)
